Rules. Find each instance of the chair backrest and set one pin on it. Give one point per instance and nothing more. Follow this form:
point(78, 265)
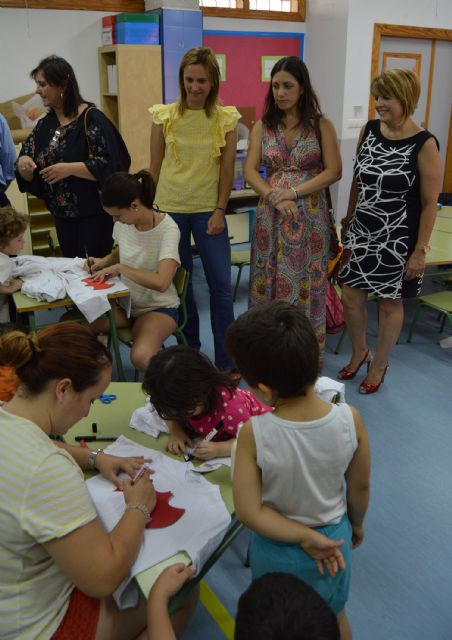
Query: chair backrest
point(180, 281)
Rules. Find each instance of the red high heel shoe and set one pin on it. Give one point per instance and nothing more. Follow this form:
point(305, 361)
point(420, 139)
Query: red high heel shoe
point(367, 388)
point(347, 374)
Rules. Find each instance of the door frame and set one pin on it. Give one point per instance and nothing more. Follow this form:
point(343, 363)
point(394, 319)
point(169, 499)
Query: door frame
point(401, 31)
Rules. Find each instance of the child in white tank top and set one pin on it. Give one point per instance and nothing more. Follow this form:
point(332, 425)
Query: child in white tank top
point(301, 476)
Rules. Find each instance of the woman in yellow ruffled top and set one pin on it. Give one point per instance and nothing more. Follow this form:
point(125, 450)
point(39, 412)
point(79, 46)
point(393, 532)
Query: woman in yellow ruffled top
point(193, 146)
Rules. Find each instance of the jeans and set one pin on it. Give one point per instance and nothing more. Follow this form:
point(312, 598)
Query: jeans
point(215, 255)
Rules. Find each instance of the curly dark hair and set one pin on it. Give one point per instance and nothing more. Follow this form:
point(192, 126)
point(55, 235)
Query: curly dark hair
point(179, 380)
point(12, 225)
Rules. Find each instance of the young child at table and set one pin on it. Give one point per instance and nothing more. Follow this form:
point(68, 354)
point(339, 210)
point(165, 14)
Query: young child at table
point(12, 229)
point(292, 465)
point(194, 397)
point(277, 605)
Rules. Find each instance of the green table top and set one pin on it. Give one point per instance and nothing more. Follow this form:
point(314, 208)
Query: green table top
point(113, 420)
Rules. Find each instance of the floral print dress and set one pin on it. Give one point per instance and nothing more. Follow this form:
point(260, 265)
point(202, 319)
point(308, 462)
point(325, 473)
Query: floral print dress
point(289, 256)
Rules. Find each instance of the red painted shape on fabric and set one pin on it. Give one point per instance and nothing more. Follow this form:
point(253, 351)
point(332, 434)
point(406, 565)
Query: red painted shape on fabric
point(96, 284)
point(163, 515)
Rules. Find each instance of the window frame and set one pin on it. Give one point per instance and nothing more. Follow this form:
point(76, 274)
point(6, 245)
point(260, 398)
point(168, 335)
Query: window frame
point(257, 14)
point(129, 6)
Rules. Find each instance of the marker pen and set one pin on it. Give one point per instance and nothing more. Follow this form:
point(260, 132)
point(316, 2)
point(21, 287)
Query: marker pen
point(140, 473)
point(91, 438)
point(210, 436)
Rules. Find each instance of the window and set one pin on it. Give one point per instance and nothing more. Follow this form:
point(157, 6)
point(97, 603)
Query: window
point(267, 9)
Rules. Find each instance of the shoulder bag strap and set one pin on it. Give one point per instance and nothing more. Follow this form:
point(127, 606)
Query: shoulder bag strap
point(318, 135)
point(85, 121)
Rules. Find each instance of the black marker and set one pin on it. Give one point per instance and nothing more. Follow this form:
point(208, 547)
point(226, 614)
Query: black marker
point(96, 438)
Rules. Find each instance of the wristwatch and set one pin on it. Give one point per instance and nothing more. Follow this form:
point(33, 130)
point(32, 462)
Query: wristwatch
point(424, 248)
point(92, 457)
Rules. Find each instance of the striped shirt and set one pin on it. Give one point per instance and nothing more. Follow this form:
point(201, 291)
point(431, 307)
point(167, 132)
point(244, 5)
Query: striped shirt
point(44, 497)
point(144, 250)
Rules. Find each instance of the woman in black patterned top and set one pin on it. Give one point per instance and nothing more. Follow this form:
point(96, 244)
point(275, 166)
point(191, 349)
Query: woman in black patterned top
point(66, 159)
point(389, 221)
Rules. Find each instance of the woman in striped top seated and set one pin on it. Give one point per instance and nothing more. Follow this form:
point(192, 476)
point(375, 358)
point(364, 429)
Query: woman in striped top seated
point(146, 257)
point(59, 566)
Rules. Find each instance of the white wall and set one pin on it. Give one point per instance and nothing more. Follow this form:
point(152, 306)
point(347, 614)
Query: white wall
point(28, 36)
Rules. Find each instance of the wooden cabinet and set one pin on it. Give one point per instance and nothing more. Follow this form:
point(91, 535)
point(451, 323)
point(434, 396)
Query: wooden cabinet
point(130, 83)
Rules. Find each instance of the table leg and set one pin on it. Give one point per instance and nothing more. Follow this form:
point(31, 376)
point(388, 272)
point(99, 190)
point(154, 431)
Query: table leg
point(115, 344)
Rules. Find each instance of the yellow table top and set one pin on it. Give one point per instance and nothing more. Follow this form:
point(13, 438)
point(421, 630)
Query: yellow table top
point(113, 420)
point(441, 245)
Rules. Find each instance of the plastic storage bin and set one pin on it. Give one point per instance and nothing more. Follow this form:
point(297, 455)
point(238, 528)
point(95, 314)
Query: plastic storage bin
point(137, 28)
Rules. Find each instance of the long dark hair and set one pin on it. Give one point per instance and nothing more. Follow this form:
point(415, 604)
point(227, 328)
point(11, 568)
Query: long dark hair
point(180, 380)
point(308, 104)
point(59, 73)
point(122, 188)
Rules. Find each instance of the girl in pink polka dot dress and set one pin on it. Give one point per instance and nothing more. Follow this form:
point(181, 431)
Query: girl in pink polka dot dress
point(193, 398)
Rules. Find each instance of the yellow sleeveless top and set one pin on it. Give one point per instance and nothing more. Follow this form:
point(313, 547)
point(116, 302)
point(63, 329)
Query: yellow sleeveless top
point(190, 172)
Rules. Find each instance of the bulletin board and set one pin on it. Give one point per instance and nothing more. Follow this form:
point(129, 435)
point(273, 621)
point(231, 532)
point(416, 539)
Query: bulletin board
point(243, 52)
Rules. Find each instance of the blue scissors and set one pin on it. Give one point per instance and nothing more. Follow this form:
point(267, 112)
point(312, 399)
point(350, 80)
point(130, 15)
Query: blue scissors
point(107, 398)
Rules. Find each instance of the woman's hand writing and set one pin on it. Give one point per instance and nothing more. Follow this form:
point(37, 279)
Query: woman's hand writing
point(215, 224)
point(141, 492)
point(415, 265)
point(56, 172)
point(108, 272)
point(26, 167)
point(111, 466)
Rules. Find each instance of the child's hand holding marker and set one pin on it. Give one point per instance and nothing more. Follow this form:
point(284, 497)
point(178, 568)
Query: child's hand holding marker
point(203, 450)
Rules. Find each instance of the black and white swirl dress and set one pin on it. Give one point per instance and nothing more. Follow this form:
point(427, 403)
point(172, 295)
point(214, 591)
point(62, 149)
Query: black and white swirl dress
point(383, 231)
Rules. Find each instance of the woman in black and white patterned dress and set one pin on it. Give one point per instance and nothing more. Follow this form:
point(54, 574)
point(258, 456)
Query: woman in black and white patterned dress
point(389, 220)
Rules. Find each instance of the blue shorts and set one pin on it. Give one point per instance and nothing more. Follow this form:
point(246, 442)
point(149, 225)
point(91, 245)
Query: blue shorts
point(172, 312)
point(267, 556)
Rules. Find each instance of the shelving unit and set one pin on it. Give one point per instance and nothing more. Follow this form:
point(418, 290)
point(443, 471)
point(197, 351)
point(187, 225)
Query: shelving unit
point(138, 78)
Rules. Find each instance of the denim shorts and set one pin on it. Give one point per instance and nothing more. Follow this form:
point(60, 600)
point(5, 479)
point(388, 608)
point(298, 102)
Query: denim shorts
point(267, 556)
point(172, 312)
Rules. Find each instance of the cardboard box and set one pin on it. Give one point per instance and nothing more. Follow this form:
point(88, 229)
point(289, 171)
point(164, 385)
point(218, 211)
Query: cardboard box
point(108, 30)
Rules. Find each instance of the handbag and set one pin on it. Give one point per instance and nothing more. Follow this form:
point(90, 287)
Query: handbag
point(335, 247)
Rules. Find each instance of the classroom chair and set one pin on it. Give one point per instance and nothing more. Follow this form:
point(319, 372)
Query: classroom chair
point(180, 281)
point(441, 301)
point(239, 259)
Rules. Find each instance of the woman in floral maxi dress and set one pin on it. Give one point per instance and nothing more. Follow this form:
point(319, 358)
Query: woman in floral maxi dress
point(291, 231)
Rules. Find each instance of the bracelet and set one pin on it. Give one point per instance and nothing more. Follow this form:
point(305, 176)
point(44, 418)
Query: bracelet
point(295, 192)
point(219, 208)
point(141, 507)
point(92, 457)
